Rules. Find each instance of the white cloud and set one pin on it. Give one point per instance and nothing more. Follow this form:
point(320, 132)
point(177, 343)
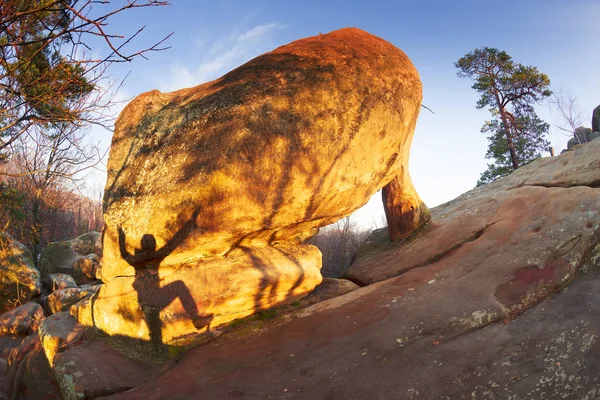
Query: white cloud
point(182, 75)
point(257, 32)
point(223, 55)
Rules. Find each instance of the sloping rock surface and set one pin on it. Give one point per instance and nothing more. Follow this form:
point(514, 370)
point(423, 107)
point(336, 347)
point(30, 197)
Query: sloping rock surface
point(503, 305)
point(536, 225)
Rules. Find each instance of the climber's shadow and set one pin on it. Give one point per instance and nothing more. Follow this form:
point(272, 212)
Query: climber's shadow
point(152, 297)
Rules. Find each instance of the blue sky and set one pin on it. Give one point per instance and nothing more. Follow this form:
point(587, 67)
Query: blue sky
point(560, 37)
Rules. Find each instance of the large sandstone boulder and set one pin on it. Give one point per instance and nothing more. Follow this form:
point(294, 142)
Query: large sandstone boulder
point(76, 257)
point(290, 141)
point(19, 279)
point(211, 189)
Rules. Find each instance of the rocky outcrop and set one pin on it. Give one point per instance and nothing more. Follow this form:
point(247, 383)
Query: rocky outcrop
point(211, 190)
point(596, 119)
point(63, 299)
point(19, 279)
point(443, 312)
point(546, 215)
point(77, 257)
point(582, 135)
point(28, 374)
point(59, 281)
point(24, 372)
point(21, 321)
point(84, 368)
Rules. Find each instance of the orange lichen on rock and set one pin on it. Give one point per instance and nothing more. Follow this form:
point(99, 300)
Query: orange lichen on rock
point(260, 158)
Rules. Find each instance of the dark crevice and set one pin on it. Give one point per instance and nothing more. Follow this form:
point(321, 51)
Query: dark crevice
point(356, 281)
point(476, 235)
point(567, 247)
point(592, 185)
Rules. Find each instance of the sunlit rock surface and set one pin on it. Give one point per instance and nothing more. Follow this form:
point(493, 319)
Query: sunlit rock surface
point(212, 189)
point(19, 278)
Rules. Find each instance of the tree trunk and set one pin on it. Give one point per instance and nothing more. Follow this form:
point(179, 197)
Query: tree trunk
point(37, 225)
point(509, 141)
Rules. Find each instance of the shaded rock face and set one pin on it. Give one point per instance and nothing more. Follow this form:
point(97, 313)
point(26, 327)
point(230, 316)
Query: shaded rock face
point(582, 135)
point(28, 372)
point(59, 281)
point(21, 321)
point(24, 372)
point(19, 279)
point(77, 257)
point(596, 119)
point(443, 314)
point(88, 368)
point(211, 189)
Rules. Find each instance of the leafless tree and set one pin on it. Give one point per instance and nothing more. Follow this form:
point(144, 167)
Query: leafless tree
point(568, 110)
point(46, 167)
point(51, 92)
point(44, 62)
point(338, 242)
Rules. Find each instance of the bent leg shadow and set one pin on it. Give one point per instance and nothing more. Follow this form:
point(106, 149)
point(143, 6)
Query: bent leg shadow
point(153, 298)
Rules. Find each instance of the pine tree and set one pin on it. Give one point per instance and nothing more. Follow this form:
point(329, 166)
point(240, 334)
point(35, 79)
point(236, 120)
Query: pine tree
point(516, 134)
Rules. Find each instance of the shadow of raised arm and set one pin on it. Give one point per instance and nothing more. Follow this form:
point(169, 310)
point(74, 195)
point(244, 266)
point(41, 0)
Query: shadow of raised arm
point(148, 253)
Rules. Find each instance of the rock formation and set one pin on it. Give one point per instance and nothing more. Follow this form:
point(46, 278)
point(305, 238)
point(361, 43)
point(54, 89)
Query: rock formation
point(443, 314)
point(77, 257)
point(211, 190)
point(583, 134)
point(596, 119)
point(24, 370)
